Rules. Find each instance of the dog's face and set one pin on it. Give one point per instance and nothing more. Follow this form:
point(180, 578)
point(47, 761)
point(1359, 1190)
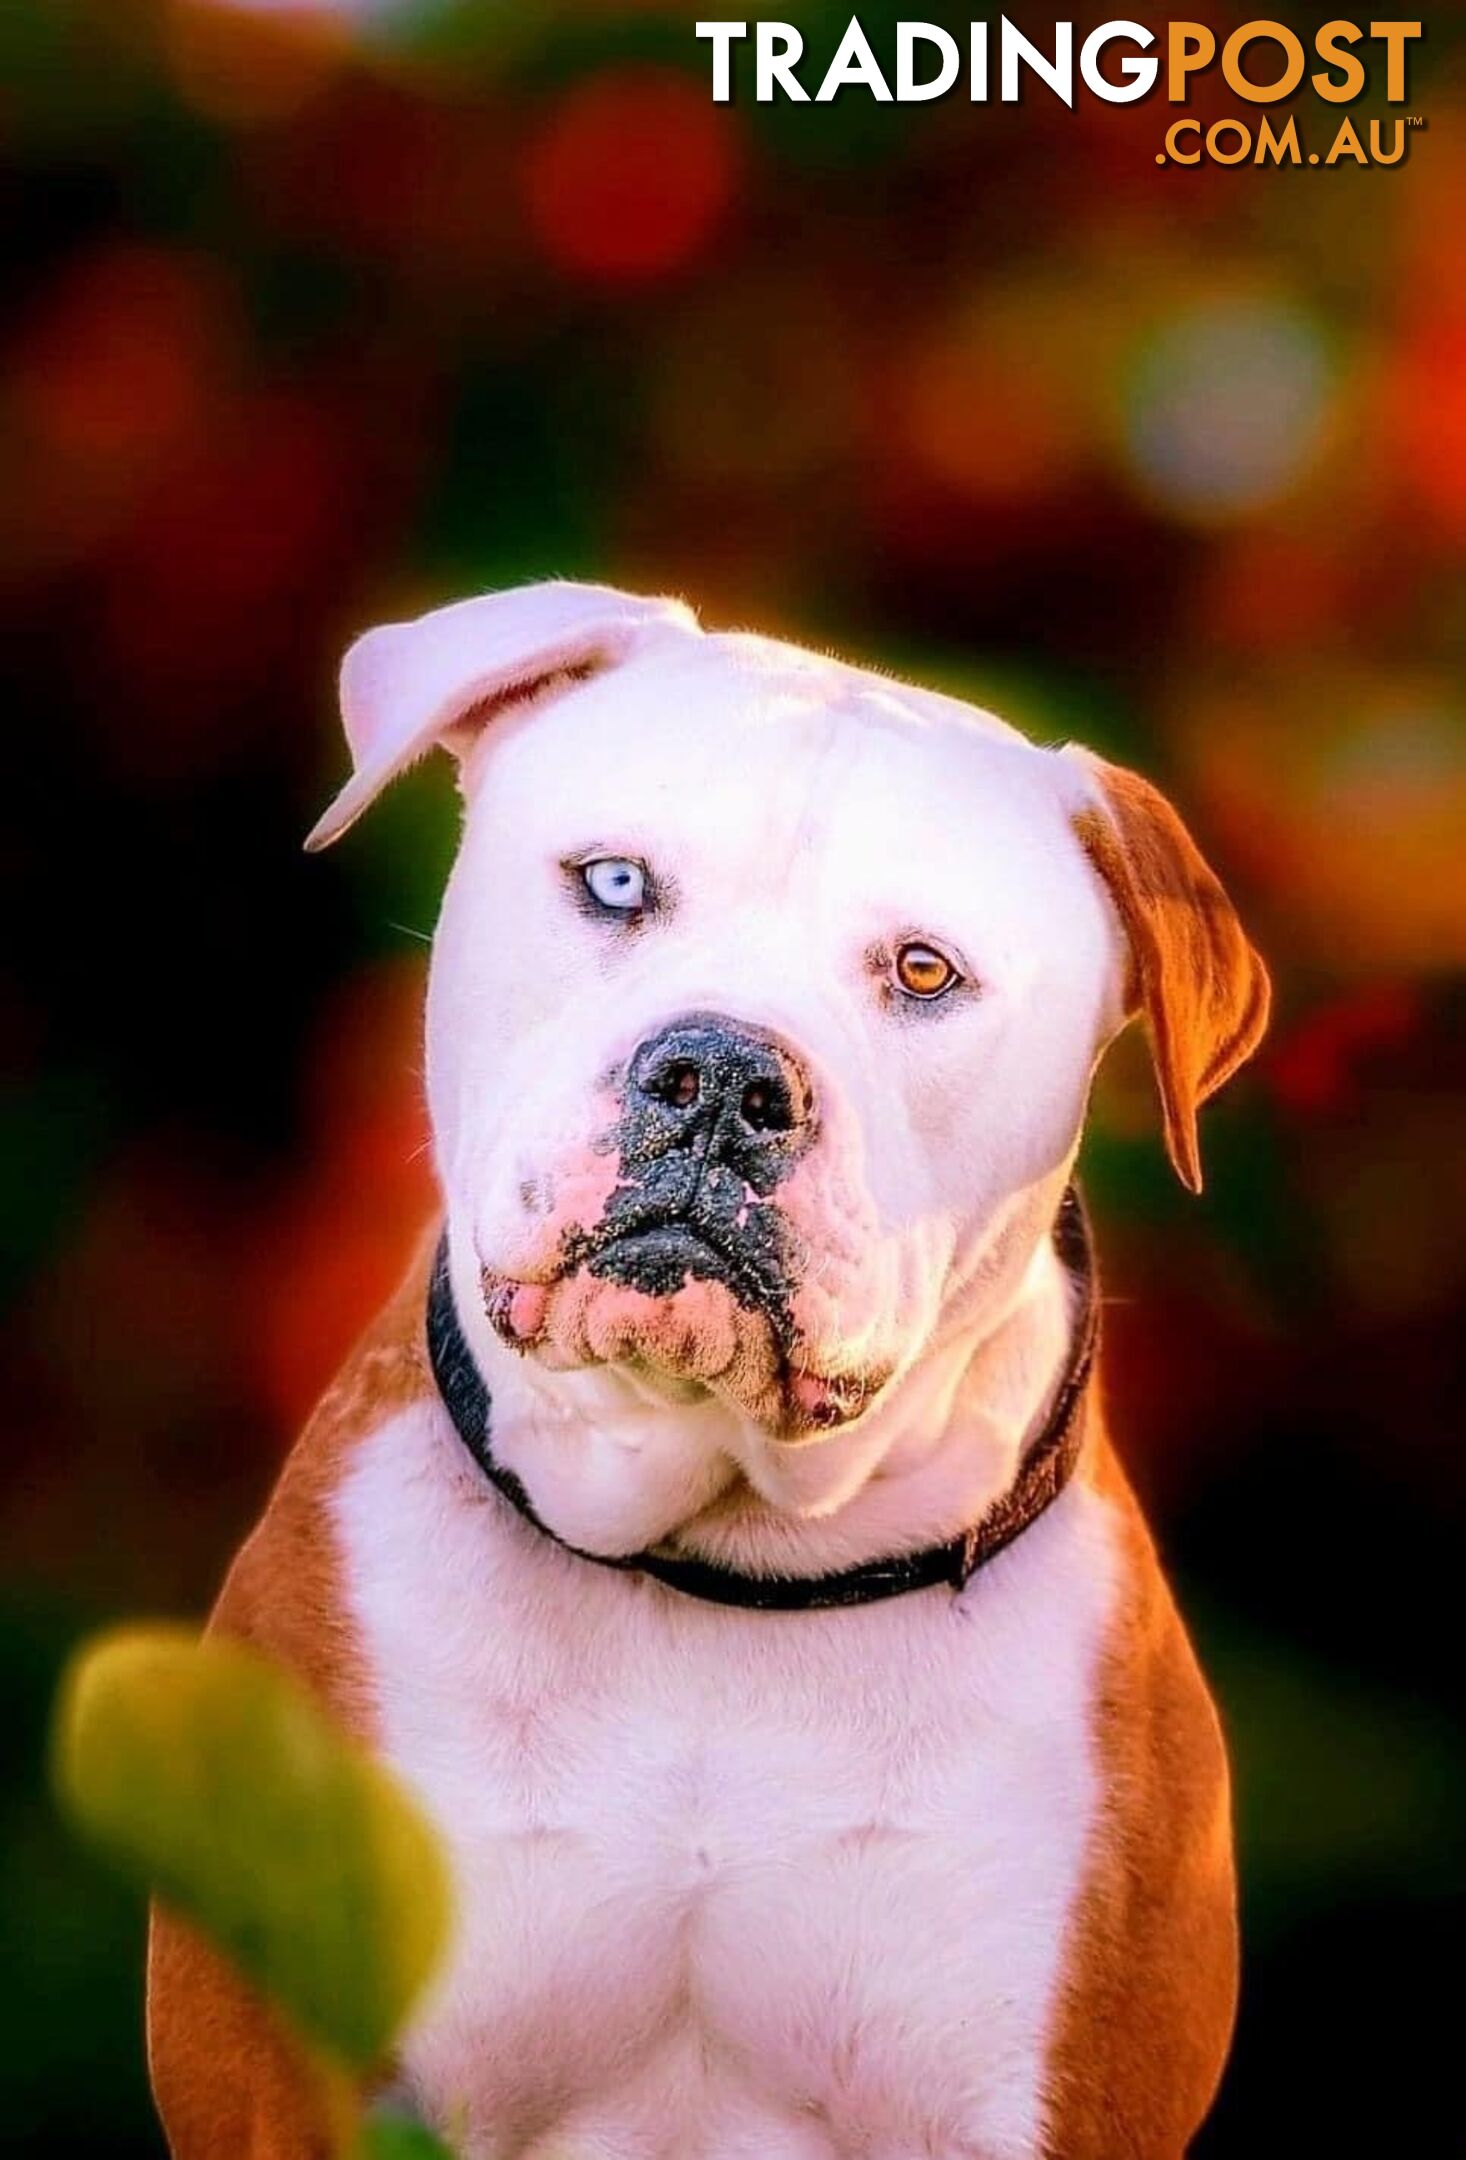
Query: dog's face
point(756, 1000)
point(767, 993)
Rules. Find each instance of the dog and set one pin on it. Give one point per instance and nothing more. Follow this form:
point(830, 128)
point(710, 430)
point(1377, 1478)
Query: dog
point(719, 1531)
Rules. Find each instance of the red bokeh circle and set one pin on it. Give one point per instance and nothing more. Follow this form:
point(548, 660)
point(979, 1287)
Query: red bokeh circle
point(630, 174)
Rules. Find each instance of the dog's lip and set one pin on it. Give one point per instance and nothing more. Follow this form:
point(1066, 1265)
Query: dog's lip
point(676, 1227)
point(816, 1403)
point(514, 1305)
point(685, 1233)
point(820, 1403)
point(514, 1309)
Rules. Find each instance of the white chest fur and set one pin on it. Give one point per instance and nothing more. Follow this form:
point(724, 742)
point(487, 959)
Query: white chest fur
point(733, 1886)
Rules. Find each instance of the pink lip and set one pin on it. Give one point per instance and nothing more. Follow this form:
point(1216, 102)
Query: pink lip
point(819, 1402)
point(813, 1403)
point(516, 1310)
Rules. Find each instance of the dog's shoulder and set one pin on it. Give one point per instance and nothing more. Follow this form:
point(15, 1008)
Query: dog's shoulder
point(285, 1591)
point(1149, 1992)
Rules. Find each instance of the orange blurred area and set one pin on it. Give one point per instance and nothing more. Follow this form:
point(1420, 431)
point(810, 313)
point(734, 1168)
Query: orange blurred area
point(248, 67)
point(335, 1246)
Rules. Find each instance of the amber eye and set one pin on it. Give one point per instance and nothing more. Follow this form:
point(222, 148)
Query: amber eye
point(923, 972)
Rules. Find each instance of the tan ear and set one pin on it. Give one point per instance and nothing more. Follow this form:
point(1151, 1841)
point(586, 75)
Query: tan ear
point(408, 686)
point(1202, 989)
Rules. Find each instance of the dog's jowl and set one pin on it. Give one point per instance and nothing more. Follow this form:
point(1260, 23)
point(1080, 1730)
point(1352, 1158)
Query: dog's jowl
point(719, 1531)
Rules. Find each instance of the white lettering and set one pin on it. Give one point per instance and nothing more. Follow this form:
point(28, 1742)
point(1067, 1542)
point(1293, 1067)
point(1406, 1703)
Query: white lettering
point(979, 63)
point(854, 63)
point(776, 63)
point(1141, 73)
point(1058, 73)
point(908, 34)
point(722, 35)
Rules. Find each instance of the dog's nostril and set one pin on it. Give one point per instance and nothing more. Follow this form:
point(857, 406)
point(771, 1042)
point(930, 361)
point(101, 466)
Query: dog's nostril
point(680, 1086)
point(765, 1107)
point(734, 1096)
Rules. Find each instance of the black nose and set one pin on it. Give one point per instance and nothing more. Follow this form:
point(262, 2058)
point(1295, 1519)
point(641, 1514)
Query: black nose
point(735, 1096)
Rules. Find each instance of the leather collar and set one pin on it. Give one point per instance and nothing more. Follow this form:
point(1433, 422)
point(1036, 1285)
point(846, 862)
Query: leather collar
point(1045, 1470)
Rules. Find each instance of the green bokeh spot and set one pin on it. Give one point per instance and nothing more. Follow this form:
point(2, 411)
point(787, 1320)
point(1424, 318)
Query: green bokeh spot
point(386, 2136)
point(209, 1778)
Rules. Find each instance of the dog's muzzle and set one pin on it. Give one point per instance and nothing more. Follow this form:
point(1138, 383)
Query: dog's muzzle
point(715, 1115)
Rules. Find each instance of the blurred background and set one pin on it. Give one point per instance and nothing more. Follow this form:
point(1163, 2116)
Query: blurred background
point(318, 314)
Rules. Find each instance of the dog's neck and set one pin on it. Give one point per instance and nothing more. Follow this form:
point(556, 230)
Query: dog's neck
point(613, 1466)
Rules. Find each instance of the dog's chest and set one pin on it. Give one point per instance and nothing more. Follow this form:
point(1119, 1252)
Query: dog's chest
point(786, 1886)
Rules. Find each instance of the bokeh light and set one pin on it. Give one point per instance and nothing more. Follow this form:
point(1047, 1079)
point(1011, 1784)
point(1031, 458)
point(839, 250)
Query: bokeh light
point(630, 173)
point(1228, 405)
point(252, 65)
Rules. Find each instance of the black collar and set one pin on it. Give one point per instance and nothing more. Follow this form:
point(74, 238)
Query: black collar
point(1042, 1476)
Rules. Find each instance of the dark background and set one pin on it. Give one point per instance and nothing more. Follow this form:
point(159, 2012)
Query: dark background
point(317, 315)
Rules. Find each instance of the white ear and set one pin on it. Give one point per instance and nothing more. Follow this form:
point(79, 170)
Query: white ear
point(409, 686)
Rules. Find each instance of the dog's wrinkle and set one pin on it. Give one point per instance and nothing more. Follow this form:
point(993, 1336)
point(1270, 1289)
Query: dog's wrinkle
point(661, 1258)
point(686, 1218)
point(657, 1252)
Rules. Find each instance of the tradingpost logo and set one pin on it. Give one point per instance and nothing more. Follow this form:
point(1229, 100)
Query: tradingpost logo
point(1261, 63)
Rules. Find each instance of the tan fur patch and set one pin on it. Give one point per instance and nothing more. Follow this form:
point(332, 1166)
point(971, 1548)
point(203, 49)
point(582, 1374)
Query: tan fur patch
point(1203, 989)
point(1150, 1986)
point(228, 2082)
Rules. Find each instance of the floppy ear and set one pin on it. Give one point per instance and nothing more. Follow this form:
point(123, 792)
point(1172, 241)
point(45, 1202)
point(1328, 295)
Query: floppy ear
point(1202, 989)
point(409, 686)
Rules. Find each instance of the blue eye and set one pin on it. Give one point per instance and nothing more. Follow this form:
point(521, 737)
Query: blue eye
point(616, 884)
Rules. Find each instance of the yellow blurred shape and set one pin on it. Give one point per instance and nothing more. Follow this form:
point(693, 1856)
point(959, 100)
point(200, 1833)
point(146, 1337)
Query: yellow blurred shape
point(207, 1776)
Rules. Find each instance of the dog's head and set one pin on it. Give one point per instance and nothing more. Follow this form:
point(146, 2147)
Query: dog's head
point(767, 991)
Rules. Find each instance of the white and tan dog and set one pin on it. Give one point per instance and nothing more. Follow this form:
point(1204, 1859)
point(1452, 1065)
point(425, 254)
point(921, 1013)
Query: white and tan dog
point(871, 1804)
